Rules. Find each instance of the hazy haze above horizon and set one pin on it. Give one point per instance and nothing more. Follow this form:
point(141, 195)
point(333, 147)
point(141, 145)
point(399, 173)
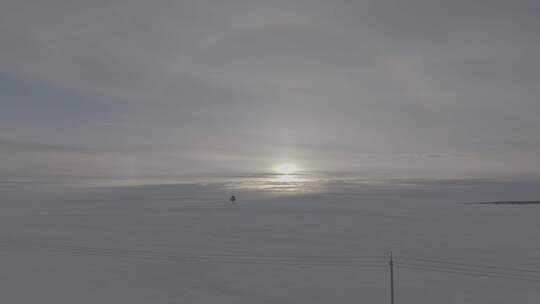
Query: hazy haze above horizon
point(168, 90)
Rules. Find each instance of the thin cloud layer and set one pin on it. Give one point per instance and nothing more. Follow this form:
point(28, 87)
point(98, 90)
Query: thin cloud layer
point(164, 90)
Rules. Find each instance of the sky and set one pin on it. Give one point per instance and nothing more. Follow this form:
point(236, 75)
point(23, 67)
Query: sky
point(163, 91)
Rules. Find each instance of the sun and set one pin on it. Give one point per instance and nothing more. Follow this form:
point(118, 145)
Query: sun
point(286, 169)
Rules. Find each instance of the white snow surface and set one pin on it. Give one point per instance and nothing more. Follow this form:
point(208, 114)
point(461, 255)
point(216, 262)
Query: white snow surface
point(153, 245)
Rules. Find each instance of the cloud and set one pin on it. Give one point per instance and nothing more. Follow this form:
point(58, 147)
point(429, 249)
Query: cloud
point(171, 88)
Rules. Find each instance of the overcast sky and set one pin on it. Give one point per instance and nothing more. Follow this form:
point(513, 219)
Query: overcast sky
point(169, 89)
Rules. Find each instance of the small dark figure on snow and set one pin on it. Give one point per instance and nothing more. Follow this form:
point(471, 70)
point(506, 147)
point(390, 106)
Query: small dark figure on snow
point(233, 199)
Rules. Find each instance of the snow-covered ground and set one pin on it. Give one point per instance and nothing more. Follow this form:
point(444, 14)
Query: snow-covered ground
point(160, 246)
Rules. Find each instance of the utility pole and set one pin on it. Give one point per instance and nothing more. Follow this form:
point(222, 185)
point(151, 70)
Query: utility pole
point(391, 278)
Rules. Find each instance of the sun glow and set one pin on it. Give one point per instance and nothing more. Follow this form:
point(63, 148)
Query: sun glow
point(286, 169)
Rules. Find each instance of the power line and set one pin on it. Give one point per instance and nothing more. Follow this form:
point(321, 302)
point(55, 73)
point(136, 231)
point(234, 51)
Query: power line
point(367, 261)
point(292, 260)
point(469, 273)
point(468, 269)
point(478, 266)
